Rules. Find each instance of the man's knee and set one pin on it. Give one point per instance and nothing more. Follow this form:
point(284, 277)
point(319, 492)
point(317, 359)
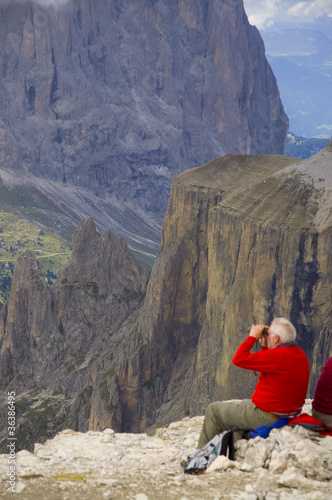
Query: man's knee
point(214, 410)
point(210, 408)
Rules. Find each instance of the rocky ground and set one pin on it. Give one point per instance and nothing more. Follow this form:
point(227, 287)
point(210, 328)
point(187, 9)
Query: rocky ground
point(290, 463)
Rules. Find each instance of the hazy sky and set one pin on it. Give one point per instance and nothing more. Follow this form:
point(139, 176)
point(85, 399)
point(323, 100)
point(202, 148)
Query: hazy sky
point(263, 13)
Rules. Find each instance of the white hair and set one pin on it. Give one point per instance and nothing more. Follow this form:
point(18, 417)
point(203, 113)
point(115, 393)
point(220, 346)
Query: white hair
point(284, 329)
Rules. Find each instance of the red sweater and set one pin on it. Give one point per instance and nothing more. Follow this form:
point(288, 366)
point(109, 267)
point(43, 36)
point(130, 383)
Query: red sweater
point(284, 376)
point(323, 393)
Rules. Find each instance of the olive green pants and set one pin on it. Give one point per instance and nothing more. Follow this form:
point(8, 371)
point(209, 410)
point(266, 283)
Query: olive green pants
point(222, 415)
point(322, 417)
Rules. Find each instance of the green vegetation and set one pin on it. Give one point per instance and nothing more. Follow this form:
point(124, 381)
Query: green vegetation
point(18, 196)
point(129, 296)
point(144, 259)
point(31, 476)
point(42, 412)
point(104, 392)
point(16, 235)
point(301, 147)
point(30, 204)
point(72, 477)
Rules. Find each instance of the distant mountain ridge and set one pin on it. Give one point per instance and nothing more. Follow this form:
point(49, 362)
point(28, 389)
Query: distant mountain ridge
point(101, 103)
point(301, 147)
point(301, 58)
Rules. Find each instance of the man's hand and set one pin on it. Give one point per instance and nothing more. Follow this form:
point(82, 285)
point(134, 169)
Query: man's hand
point(257, 331)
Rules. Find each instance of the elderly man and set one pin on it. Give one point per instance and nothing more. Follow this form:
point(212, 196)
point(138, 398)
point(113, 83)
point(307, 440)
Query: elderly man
point(281, 388)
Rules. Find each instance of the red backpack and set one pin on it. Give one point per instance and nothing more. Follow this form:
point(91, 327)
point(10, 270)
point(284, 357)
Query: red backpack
point(311, 423)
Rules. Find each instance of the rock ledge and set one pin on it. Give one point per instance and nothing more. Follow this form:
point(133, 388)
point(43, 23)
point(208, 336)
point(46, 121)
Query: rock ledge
point(290, 463)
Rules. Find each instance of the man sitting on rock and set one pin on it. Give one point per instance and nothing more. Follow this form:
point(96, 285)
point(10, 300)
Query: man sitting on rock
point(322, 402)
point(281, 388)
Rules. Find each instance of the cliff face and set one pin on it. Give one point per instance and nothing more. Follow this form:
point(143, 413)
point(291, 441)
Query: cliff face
point(245, 239)
point(114, 98)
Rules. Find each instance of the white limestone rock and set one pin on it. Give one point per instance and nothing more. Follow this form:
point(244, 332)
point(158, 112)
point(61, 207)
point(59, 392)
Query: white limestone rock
point(221, 463)
point(290, 463)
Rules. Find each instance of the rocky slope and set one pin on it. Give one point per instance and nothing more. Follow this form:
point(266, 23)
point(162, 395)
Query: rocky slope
point(290, 463)
point(103, 102)
point(55, 340)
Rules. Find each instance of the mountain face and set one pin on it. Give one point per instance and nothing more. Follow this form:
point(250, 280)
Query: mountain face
point(54, 339)
point(103, 101)
point(245, 239)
